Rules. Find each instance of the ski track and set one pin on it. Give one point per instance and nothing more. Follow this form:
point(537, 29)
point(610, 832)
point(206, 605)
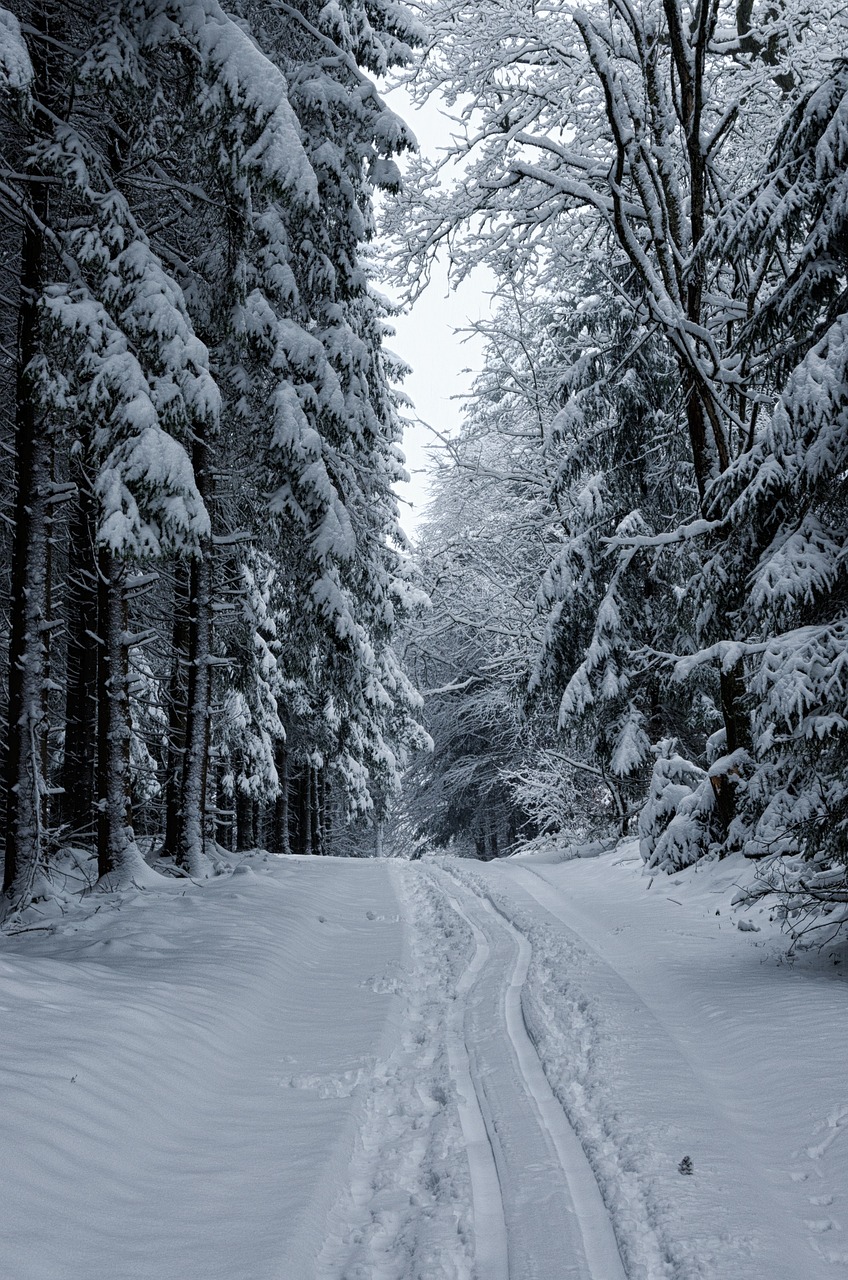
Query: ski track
point(491, 1250)
point(601, 1259)
point(638, 1103)
point(619, 1225)
point(464, 1088)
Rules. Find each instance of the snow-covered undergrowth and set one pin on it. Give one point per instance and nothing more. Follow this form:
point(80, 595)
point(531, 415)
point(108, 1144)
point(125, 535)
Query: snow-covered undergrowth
point(562, 847)
point(68, 890)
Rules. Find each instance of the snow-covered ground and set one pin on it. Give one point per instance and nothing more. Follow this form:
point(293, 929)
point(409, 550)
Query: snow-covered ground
point(319, 1069)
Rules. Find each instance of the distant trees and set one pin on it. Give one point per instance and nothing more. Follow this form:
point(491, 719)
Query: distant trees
point(672, 280)
point(467, 651)
point(205, 566)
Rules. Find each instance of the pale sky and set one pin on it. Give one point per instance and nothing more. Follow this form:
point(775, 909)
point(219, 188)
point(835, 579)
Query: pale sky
point(443, 362)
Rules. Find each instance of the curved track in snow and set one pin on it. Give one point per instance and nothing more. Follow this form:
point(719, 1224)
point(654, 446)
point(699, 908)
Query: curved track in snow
point(538, 1211)
point(490, 1230)
point(644, 1078)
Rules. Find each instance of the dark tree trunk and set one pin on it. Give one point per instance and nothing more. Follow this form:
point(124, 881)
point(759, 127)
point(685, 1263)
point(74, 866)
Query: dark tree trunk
point(244, 821)
point(737, 735)
point(281, 805)
point(318, 798)
point(308, 813)
point(77, 777)
point(299, 784)
point(117, 852)
point(191, 852)
point(25, 784)
point(326, 815)
point(177, 700)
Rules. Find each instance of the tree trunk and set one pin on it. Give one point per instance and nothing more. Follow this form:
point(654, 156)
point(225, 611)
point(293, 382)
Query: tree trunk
point(117, 852)
point(326, 814)
point(177, 700)
point(29, 571)
point(701, 409)
point(25, 784)
point(191, 851)
point(308, 813)
point(300, 812)
point(77, 776)
point(318, 799)
point(281, 805)
point(244, 821)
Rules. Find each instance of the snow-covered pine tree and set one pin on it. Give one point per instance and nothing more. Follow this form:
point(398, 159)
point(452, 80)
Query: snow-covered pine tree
point(110, 369)
point(297, 352)
point(251, 727)
point(787, 516)
point(119, 366)
point(621, 477)
point(310, 365)
point(26, 77)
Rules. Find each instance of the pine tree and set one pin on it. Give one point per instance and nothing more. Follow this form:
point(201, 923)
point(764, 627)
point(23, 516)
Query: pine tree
point(787, 516)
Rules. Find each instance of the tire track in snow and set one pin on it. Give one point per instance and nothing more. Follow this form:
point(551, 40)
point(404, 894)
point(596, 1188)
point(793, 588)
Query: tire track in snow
point(490, 1234)
point(600, 1248)
point(639, 1096)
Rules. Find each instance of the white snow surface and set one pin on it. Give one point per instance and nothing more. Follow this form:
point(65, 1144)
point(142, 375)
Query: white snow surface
point(327, 1069)
point(15, 66)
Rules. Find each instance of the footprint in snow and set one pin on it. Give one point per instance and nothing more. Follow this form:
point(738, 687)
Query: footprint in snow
point(832, 1126)
point(339, 1084)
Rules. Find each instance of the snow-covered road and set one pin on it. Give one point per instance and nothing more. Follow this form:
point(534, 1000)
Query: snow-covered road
point(330, 1070)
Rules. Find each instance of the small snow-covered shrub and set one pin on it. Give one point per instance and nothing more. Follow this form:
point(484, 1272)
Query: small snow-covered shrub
point(559, 796)
point(809, 895)
point(676, 823)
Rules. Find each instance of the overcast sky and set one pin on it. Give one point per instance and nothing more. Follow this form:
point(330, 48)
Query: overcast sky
point(443, 362)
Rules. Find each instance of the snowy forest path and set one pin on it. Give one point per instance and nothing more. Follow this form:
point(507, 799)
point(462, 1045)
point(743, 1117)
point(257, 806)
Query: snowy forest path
point(342, 1069)
point(491, 1237)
